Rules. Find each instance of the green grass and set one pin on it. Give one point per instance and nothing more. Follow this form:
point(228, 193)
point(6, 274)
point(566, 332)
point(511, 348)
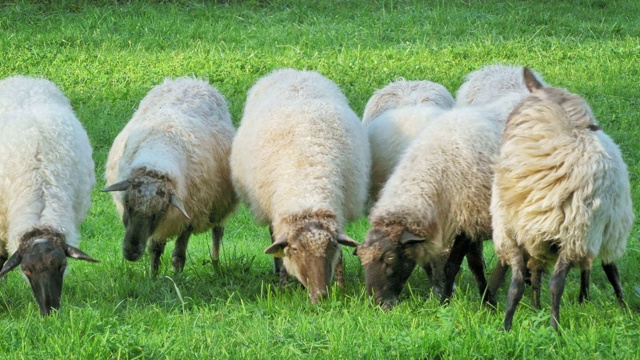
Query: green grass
point(106, 55)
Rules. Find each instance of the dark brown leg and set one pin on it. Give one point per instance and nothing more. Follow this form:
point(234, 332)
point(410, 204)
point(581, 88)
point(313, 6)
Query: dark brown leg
point(535, 273)
point(155, 251)
point(3, 259)
point(284, 278)
point(496, 280)
point(180, 251)
point(451, 268)
point(340, 272)
point(429, 271)
point(584, 285)
point(216, 239)
point(476, 265)
point(516, 289)
point(611, 270)
point(556, 288)
point(277, 262)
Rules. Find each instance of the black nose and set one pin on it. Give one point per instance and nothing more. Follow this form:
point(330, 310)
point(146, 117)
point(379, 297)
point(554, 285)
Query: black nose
point(131, 255)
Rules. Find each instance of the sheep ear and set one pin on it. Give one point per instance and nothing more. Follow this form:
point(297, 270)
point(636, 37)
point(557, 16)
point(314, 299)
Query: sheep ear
point(175, 201)
point(11, 264)
point(120, 186)
point(345, 240)
point(75, 253)
point(410, 238)
point(531, 81)
point(277, 248)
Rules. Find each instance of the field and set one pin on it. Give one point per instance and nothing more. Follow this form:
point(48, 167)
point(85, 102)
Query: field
point(106, 55)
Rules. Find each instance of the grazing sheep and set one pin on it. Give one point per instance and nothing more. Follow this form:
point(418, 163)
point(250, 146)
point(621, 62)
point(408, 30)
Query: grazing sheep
point(301, 163)
point(561, 193)
point(46, 178)
point(401, 93)
point(393, 117)
point(493, 83)
point(437, 198)
point(169, 170)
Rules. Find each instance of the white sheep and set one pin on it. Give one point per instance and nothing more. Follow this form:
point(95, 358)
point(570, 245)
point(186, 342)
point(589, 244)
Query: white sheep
point(401, 93)
point(174, 151)
point(301, 162)
point(437, 198)
point(393, 117)
point(492, 83)
point(46, 179)
point(561, 193)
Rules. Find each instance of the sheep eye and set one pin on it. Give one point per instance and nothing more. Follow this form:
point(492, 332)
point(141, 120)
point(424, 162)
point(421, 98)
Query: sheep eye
point(294, 249)
point(389, 259)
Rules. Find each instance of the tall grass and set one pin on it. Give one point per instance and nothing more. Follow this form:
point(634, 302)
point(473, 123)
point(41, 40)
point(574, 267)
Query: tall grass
point(106, 55)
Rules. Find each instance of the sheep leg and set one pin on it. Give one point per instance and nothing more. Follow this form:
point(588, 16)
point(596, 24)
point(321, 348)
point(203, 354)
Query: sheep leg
point(277, 262)
point(611, 270)
point(3, 259)
point(516, 289)
point(155, 251)
point(584, 285)
point(180, 251)
point(284, 278)
point(340, 272)
point(556, 288)
point(498, 275)
point(475, 260)
point(216, 239)
point(535, 274)
point(451, 268)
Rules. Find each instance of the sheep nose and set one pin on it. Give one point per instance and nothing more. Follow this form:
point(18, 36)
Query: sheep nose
point(317, 296)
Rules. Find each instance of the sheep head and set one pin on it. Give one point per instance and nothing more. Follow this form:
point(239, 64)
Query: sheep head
point(42, 256)
point(311, 253)
point(147, 196)
point(388, 256)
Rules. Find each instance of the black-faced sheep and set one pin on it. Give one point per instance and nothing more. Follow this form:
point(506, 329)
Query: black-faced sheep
point(561, 193)
point(437, 198)
point(169, 170)
point(301, 162)
point(46, 178)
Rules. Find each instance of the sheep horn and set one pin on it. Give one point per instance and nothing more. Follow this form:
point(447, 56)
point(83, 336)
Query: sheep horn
point(175, 201)
point(78, 254)
point(11, 264)
point(345, 240)
point(119, 186)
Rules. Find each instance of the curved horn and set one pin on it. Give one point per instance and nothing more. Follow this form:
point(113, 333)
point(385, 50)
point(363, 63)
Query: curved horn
point(345, 240)
point(175, 201)
point(78, 254)
point(119, 186)
point(11, 264)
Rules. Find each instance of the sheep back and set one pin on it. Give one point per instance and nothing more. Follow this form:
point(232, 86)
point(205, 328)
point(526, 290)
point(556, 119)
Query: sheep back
point(300, 149)
point(560, 180)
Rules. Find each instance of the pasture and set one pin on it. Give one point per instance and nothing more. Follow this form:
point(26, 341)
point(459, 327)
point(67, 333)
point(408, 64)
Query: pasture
point(106, 55)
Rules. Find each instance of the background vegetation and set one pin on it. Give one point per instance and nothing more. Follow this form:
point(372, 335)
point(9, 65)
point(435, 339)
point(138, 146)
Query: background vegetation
point(106, 55)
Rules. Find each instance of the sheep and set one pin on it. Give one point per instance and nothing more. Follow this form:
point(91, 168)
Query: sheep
point(169, 170)
point(46, 179)
point(492, 83)
point(393, 116)
point(437, 198)
point(300, 162)
point(561, 193)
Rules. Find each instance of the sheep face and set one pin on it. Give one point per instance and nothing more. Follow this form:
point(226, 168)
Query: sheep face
point(311, 254)
point(388, 261)
point(42, 256)
point(146, 200)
